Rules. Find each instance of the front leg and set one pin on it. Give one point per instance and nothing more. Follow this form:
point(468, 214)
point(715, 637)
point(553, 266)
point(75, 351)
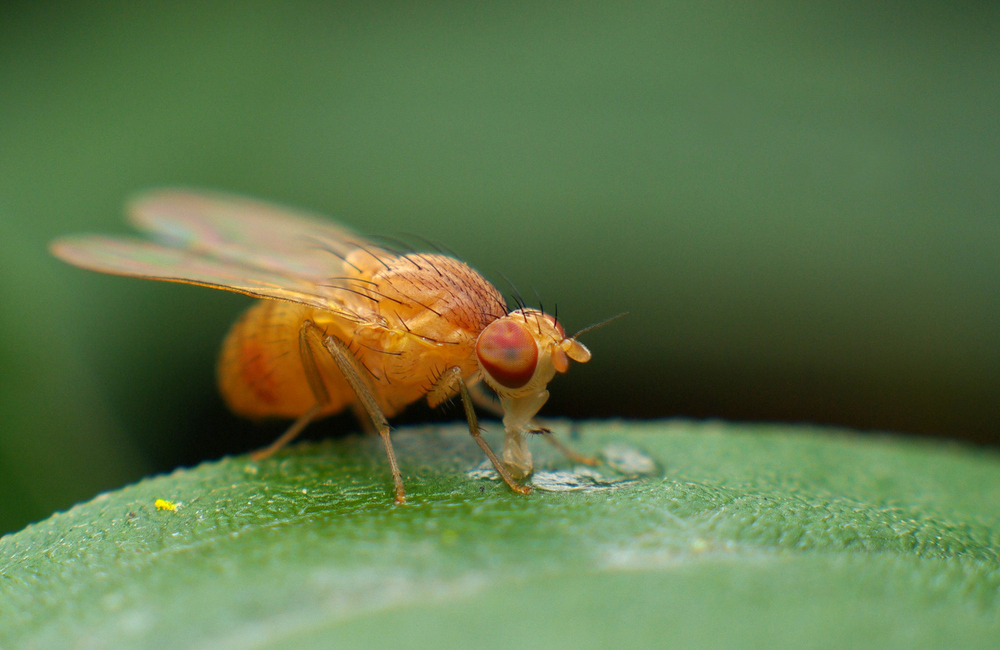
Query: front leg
point(451, 379)
point(515, 453)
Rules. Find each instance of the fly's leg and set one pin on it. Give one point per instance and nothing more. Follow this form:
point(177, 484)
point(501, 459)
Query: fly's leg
point(483, 401)
point(347, 364)
point(365, 422)
point(290, 434)
point(311, 336)
point(317, 387)
point(568, 451)
point(454, 376)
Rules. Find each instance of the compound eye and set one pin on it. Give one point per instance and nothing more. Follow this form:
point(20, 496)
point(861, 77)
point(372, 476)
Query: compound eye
point(508, 352)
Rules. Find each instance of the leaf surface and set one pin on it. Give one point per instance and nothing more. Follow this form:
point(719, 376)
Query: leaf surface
point(692, 535)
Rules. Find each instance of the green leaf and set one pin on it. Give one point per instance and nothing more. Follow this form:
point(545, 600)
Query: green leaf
point(737, 536)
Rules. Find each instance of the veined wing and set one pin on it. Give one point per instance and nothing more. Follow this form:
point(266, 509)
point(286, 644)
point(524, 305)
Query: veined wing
point(141, 259)
point(249, 232)
point(229, 243)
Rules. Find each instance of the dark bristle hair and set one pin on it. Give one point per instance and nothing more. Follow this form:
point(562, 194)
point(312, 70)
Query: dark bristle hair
point(435, 245)
point(347, 279)
point(376, 257)
point(516, 296)
point(427, 307)
point(348, 289)
point(379, 293)
point(429, 260)
point(541, 307)
point(320, 245)
point(403, 246)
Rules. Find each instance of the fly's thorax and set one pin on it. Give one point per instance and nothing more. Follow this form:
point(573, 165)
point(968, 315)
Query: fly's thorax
point(434, 296)
point(521, 352)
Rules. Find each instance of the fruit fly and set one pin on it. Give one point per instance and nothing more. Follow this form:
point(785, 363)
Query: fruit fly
point(343, 322)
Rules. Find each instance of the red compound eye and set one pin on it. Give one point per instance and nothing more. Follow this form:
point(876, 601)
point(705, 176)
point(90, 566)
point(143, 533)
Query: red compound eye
point(507, 351)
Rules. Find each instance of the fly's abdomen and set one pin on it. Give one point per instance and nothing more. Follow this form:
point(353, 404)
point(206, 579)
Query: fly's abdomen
point(260, 369)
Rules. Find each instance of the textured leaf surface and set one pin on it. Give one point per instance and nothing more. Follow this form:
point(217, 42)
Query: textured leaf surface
point(743, 536)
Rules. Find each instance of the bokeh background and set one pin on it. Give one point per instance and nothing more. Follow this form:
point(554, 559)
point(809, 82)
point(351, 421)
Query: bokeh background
point(798, 203)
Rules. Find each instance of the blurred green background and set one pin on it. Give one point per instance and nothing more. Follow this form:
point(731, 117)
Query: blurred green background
point(796, 202)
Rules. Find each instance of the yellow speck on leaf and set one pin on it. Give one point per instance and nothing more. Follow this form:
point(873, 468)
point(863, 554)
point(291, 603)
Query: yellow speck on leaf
point(163, 504)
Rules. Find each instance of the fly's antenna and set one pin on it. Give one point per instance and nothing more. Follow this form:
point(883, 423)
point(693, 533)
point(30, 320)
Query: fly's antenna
point(600, 324)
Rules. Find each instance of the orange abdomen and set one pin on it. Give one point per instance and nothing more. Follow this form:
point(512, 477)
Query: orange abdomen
point(260, 370)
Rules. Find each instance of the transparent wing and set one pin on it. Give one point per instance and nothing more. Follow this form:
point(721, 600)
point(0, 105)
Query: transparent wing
point(228, 243)
point(252, 233)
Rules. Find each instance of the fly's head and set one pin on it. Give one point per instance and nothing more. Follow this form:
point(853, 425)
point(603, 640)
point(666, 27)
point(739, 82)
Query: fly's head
point(520, 353)
point(518, 356)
